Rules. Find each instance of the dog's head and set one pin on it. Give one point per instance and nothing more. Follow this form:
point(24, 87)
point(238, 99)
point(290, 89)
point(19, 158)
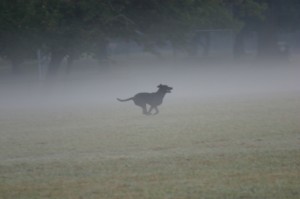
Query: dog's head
point(164, 88)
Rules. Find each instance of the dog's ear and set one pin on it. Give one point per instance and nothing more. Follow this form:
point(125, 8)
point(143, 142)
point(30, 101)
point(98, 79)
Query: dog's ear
point(160, 85)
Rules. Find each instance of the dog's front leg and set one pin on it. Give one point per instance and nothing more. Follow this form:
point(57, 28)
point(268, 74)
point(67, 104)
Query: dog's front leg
point(150, 110)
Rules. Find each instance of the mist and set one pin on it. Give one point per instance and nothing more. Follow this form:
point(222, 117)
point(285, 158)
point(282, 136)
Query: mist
point(191, 80)
point(229, 128)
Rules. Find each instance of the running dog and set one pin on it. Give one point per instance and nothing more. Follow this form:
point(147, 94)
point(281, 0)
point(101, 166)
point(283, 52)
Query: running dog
point(152, 99)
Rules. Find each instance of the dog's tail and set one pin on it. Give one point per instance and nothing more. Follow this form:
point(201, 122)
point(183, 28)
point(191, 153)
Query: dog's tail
point(124, 100)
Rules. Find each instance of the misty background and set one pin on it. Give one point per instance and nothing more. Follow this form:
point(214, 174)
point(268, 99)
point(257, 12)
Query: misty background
point(73, 53)
point(229, 128)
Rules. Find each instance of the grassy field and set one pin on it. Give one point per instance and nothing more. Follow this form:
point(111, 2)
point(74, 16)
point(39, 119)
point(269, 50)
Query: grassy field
point(232, 148)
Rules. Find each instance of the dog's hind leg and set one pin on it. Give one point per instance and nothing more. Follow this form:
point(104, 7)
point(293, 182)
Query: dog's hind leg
point(156, 110)
point(144, 107)
point(150, 109)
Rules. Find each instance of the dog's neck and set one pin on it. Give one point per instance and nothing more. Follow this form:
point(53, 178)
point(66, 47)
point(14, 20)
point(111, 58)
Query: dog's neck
point(160, 92)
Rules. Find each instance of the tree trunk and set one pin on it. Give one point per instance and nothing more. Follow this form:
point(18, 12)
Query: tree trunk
point(206, 44)
point(267, 47)
point(70, 62)
point(239, 44)
point(56, 58)
point(15, 66)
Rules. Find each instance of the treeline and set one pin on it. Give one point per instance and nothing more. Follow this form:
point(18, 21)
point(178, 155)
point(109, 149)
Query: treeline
point(73, 27)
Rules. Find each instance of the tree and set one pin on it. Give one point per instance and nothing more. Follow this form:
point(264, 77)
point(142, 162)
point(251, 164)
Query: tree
point(267, 18)
point(250, 13)
point(281, 16)
point(73, 27)
point(176, 21)
point(17, 32)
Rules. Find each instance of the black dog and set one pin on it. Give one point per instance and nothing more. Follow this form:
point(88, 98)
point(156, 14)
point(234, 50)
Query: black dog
point(152, 99)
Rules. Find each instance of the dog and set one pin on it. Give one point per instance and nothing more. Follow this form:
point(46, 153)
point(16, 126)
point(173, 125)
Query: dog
point(152, 99)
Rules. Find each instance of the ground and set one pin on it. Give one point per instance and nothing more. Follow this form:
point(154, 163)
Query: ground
point(237, 147)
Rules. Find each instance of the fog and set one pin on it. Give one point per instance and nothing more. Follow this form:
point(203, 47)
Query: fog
point(192, 80)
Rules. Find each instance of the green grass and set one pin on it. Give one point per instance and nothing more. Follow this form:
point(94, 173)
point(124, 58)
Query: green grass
point(247, 148)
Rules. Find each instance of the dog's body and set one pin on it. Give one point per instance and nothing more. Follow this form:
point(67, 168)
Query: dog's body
point(152, 99)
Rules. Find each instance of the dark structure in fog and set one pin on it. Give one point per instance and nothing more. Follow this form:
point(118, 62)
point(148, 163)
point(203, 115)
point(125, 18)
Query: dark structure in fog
point(68, 29)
